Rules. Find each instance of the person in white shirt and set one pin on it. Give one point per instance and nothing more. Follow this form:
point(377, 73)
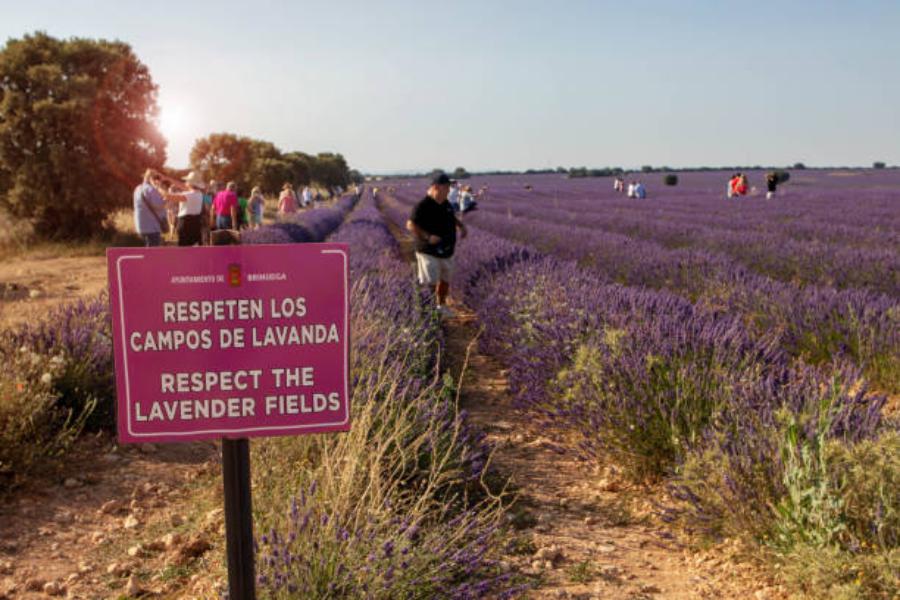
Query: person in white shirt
point(190, 208)
point(307, 196)
point(631, 189)
point(640, 192)
point(453, 196)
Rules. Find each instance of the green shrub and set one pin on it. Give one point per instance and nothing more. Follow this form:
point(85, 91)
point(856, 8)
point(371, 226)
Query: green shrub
point(671, 179)
point(33, 423)
point(828, 511)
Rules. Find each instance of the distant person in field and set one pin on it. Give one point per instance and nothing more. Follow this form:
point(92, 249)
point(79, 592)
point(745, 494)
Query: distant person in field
point(640, 192)
point(619, 185)
point(729, 189)
point(257, 205)
point(243, 218)
point(225, 207)
point(738, 185)
point(631, 189)
point(188, 197)
point(743, 186)
point(433, 224)
point(149, 210)
point(771, 185)
point(287, 201)
point(453, 196)
point(467, 201)
point(306, 197)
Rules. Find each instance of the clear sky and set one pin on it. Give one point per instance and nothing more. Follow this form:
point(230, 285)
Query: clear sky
point(400, 85)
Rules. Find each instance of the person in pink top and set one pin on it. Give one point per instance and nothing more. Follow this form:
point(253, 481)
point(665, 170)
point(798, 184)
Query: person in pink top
point(225, 207)
point(287, 201)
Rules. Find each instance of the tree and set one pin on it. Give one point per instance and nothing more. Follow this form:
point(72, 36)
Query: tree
point(300, 165)
point(77, 129)
point(460, 173)
point(799, 166)
point(878, 165)
point(647, 169)
point(330, 169)
point(223, 157)
point(671, 179)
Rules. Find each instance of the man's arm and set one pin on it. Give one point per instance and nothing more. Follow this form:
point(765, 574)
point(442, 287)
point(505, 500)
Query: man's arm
point(421, 233)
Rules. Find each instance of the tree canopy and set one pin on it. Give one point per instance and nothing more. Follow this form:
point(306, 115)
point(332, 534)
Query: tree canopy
point(77, 128)
point(250, 162)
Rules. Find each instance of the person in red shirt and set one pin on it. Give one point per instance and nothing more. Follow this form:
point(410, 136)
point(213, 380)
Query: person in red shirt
point(225, 207)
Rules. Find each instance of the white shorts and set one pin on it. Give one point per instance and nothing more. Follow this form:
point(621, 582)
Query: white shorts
point(431, 269)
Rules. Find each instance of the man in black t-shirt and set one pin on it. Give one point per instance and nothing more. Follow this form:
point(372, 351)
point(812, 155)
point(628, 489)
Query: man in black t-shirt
point(433, 223)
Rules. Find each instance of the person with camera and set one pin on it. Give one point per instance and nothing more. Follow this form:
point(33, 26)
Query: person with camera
point(150, 210)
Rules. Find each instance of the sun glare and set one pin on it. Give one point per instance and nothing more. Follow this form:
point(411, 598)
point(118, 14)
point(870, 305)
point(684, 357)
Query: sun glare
point(171, 120)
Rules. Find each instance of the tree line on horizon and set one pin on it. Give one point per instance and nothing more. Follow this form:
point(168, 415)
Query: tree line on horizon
point(78, 127)
point(579, 172)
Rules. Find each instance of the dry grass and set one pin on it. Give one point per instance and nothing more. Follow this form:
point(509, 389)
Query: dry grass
point(17, 239)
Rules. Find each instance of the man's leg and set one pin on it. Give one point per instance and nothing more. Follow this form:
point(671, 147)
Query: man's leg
point(441, 291)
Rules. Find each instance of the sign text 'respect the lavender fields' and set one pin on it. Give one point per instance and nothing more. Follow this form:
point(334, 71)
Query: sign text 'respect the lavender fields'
point(234, 341)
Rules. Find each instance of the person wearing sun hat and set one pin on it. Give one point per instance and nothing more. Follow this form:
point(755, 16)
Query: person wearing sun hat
point(433, 223)
point(190, 209)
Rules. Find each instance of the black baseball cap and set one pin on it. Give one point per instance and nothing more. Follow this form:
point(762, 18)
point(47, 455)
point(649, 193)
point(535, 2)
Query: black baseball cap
point(440, 179)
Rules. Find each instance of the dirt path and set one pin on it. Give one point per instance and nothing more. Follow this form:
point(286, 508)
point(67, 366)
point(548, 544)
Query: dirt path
point(113, 522)
point(30, 285)
point(582, 534)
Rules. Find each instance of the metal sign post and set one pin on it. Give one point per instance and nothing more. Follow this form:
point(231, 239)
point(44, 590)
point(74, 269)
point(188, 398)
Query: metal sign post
point(238, 519)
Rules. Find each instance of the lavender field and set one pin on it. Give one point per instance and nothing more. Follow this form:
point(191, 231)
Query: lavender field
point(734, 362)
point(744, 352)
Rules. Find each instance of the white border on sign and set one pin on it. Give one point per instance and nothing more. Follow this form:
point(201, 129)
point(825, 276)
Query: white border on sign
point(243, 429)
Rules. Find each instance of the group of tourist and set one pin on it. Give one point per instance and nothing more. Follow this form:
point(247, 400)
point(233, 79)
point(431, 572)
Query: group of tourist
point(739, 186)
point(289, 201)
point(635, 188)
point(192, 209)
point(461, 198)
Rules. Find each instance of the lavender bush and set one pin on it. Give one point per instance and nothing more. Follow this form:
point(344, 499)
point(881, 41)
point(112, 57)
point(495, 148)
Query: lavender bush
point(79, 336)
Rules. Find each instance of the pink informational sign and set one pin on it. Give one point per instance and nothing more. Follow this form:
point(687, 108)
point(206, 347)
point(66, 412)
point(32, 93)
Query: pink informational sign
point(230, 341)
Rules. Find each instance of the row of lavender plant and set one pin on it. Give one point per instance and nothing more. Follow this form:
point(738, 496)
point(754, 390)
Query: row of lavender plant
point(747, 437)
point(868, 259)
point(816, 323)
point(393, 508)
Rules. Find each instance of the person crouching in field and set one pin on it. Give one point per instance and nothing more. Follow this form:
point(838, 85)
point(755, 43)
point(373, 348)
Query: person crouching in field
point(149, 210)
point(433, 223)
